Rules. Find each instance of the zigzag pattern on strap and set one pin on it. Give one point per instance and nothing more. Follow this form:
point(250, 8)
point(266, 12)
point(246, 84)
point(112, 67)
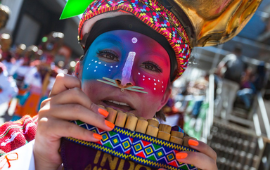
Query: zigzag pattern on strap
point(161, 142)
point(152, 163)
point(138, 147)
point(99, 147)
point(123, 131)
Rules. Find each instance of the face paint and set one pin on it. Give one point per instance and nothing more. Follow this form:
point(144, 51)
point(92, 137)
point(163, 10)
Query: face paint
point(139, 63)
point(112, 55)
point(126, 73)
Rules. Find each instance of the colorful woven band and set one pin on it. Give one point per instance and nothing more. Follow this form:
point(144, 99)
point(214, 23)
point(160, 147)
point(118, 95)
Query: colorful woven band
point(129, 145)
point(154, 15)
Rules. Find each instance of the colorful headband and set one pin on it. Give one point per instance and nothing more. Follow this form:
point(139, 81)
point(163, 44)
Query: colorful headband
point(208, 22)
point(151, 13)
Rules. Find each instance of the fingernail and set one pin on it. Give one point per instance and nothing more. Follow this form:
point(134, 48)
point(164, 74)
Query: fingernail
point(181, 155)
point(109, 124)
point(193, 142)
point(103, 112)
point(97, 136)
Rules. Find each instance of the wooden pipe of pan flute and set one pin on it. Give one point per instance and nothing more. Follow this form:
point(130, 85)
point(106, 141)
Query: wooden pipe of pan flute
point(141, 125)
point(164, 135)
point(176, 140)
point(152, 131)
point(153, 122)
point(186, 138)
point(121, 119)
point(165, 128)
point(177, 134)
point(130, 114)
point(112, 114)
point(131, 122)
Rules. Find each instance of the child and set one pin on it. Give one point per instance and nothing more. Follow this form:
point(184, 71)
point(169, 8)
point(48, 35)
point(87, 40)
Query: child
point(140, 47)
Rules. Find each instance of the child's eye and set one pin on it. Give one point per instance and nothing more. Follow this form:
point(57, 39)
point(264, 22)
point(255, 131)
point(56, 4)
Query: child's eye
point(151, 66)
point(107, 54)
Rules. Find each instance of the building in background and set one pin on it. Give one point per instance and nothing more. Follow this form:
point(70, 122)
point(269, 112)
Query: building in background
point(30, 20)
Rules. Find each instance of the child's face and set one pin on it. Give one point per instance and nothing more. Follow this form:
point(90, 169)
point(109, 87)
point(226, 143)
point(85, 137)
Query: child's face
point(132, 59)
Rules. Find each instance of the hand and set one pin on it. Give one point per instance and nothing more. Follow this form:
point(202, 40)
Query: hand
point(205, 159)
point(66, 102)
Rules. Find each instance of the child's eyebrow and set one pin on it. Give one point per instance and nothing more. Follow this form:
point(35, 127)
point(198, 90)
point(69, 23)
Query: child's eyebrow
point(112, 39)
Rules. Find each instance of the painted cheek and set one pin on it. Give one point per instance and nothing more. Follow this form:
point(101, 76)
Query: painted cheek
point(95, 69)
point(150, 83)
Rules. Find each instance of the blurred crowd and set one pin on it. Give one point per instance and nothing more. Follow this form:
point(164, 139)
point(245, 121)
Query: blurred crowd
point(236, 84)
point(28, 73)
point(241, 80)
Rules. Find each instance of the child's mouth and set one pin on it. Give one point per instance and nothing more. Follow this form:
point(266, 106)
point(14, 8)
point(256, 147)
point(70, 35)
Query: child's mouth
point(118, 105)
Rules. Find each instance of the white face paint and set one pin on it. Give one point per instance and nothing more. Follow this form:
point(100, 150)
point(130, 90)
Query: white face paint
point(126, 73)
point(134, 40)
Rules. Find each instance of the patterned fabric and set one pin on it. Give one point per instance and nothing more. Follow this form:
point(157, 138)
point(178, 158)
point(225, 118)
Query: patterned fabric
point(154, 15)
point(157, 153)
point(16, 134)
point(139, 148)
point(116, 142)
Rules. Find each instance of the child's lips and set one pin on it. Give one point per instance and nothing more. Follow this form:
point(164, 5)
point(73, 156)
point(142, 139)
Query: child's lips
point(118, 105)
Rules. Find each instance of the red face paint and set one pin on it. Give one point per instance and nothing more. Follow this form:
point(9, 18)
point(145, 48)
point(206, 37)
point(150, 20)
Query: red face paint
point(132, 59)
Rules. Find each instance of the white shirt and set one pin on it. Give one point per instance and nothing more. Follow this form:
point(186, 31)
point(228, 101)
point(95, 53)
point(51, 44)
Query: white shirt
point(8, 86)
point(9, 66)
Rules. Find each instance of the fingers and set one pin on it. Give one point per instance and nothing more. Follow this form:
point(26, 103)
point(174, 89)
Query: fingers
point(197, 159)
point(64, 82)
point(66, 129)
point(76, 112)
point(203, 148)
point(205, 159)
point(74, 96)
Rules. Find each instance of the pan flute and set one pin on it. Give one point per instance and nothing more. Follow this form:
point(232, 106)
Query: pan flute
point(134, 144)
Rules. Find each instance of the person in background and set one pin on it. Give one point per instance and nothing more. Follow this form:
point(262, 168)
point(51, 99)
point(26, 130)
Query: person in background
point(50, 46)
point(232, 66)
point(9, 63)
point(4, 15)
point(8, 88)
point(5, 42)
point(247, 89)
point(37, 81)
point(260, 77)
point(231, 69)
point(23, 68)
point(19, 53)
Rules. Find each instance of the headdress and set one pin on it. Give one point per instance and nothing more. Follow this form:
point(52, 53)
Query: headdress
point(184, 23)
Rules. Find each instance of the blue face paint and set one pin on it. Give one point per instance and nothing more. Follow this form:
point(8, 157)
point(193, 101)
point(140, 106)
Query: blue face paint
point(128, 57)
point(131, 61)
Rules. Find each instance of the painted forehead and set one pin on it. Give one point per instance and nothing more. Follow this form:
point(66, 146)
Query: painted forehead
point(135, 55)
point(129, 40)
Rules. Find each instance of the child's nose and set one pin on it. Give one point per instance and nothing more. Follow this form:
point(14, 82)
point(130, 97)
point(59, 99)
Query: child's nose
point(124, 78)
